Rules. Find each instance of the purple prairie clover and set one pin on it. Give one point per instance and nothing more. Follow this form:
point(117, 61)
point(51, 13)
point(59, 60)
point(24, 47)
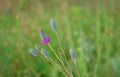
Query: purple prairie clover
point(44, 39)
point(44, 52)
point(53, 25)
point(72, 53)
point(33, 52)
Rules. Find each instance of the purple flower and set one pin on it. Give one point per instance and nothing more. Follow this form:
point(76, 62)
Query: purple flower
point(44, 39)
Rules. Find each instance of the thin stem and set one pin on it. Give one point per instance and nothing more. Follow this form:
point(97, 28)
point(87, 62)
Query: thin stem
point(58, 57)
point(61, 46)
point(98, 41)
point(76, 66)
point(54, 62)
point(63, 52)
point(57, 66)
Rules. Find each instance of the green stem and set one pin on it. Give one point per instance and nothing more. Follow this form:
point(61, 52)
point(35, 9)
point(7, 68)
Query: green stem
point(76, 67)
point(58, 58)
point(57, 66)
point(63, 52)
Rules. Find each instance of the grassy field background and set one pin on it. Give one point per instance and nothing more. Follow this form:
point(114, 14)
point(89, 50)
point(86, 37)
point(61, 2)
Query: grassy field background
point(91, 27)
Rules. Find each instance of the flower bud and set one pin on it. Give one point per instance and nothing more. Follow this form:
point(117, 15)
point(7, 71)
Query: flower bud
point(53, 25)
point(33, 52)
point(45, 53)
point(42, 34)
point(72, 53)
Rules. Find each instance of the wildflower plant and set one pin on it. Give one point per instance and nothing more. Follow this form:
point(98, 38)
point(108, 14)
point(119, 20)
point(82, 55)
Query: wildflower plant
point(62, 65)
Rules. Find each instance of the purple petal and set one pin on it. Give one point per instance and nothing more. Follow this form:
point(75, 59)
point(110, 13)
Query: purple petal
point(43, 41)
point(47, 39)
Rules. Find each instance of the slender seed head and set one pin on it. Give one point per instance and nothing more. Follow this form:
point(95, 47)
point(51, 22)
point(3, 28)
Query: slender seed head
point(37, 47)
point(42, 34)
point(33, 52)
point(53, 25)
point(44, 52)
point(72, 53)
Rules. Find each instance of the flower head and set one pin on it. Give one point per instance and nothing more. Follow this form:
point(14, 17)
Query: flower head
point(44, 39)
point(45, 53)
point(42, 34)
point(53, 25)
point(33, 52)
point(72, 53)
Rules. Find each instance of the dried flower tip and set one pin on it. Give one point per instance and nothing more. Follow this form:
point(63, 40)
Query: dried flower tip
point(33, 52)
point(45, 53)
point(53, 25)
point(42, 34)
point(72, 53)
point(37, 47)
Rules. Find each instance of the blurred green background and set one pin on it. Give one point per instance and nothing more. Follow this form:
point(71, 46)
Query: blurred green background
point(91, 27)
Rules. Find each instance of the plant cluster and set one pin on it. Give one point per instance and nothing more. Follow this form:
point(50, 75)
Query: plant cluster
point(62, 65)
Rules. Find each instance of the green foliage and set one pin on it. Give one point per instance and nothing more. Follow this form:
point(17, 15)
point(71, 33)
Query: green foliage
point(93, 31)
